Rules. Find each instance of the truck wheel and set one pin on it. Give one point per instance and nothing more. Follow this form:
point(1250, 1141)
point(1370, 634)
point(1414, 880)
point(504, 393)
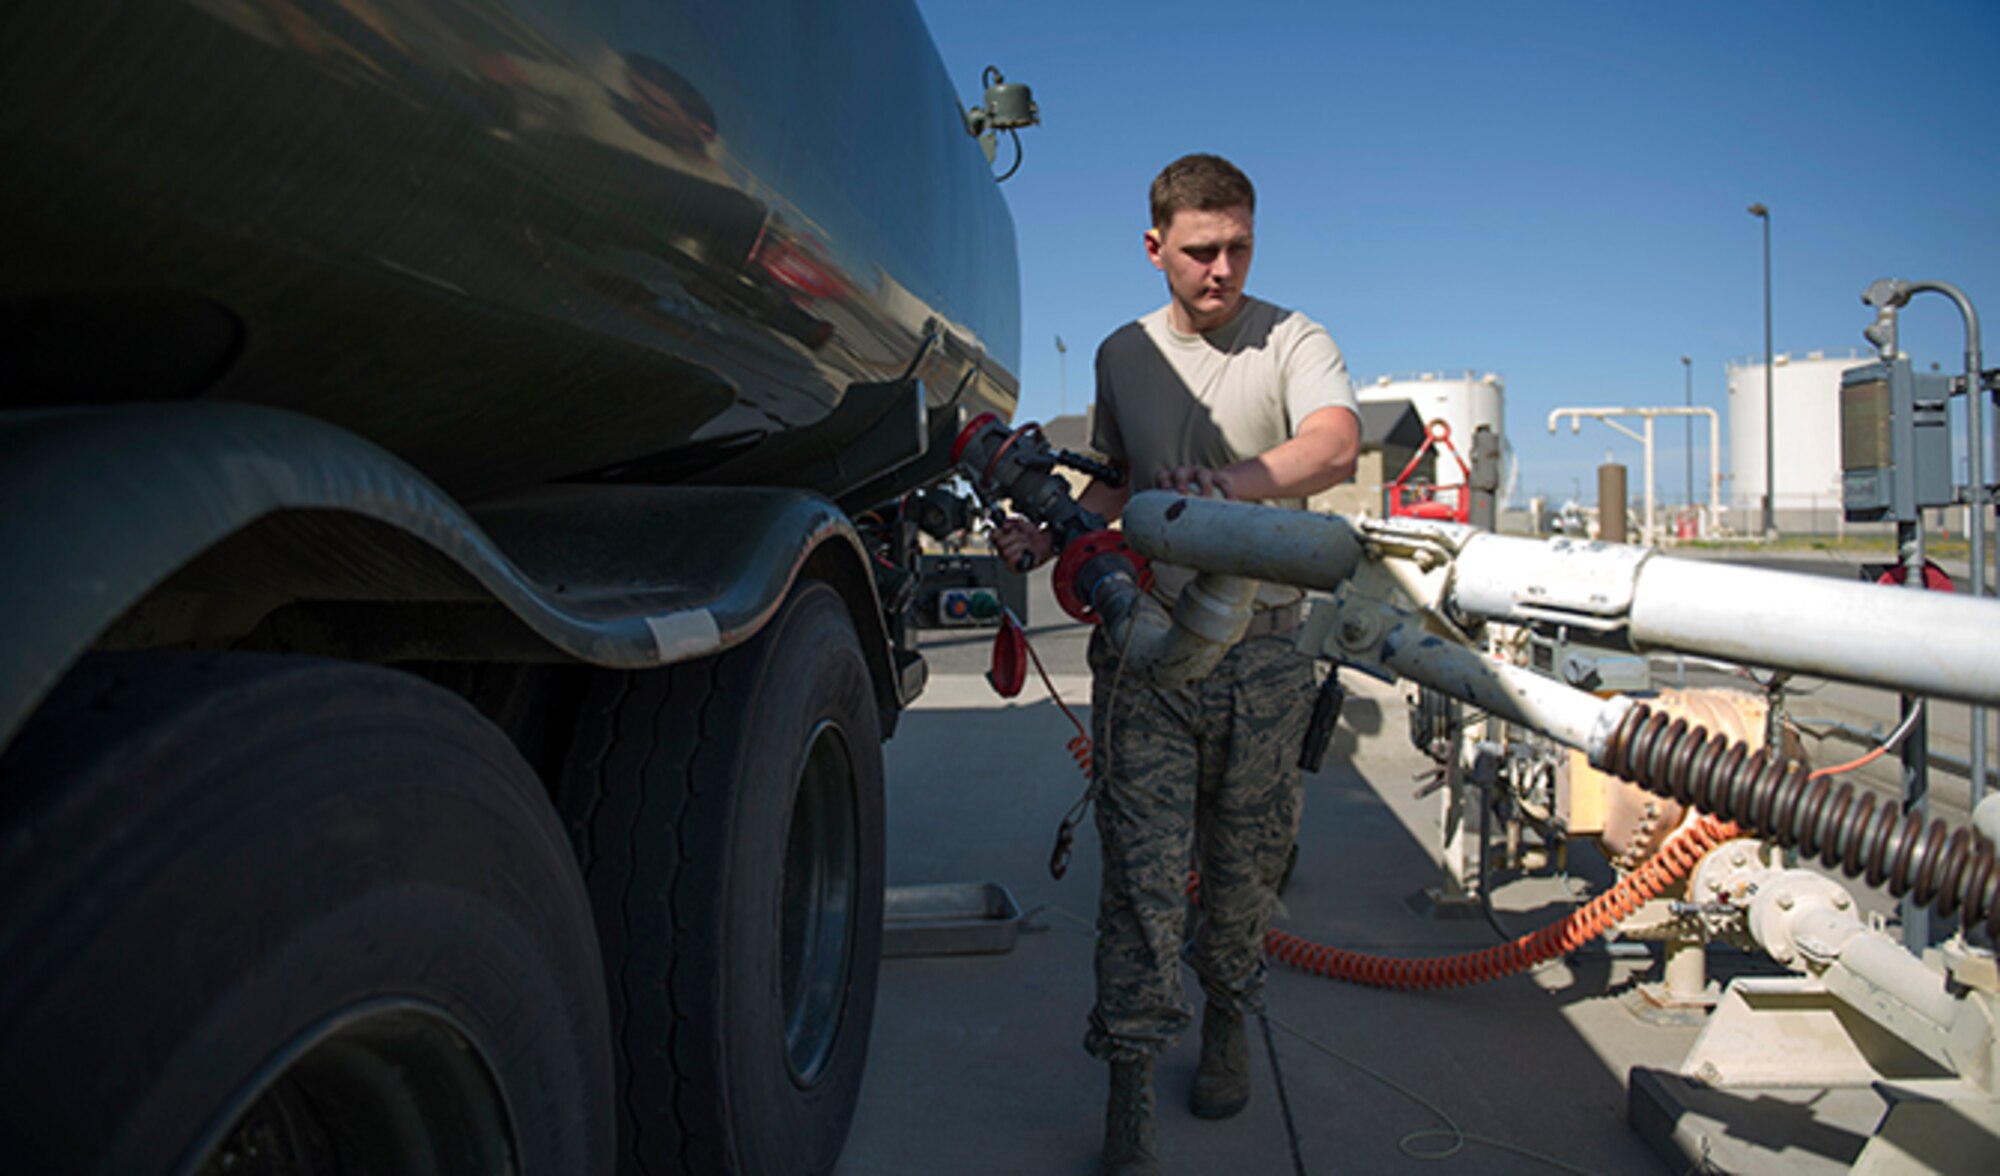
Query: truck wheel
point(263, 914)
point(729, 816)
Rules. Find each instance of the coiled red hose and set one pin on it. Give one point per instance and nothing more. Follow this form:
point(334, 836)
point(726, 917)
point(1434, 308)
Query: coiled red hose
point(1682, 852)
point(1673, 862)
point(1080, 747)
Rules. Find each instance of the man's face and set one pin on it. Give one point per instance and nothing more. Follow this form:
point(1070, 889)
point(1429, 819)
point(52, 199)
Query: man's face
point(1206, 257)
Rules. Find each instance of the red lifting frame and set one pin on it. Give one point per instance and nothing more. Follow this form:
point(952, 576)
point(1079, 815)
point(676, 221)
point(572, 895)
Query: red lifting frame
point(1425, 501)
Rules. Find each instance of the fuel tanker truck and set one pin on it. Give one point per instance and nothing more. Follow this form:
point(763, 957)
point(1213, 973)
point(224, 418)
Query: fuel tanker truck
point(453, 585)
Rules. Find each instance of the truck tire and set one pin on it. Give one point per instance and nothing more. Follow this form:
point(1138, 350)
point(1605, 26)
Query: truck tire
point(728, 813)
point(265, 914)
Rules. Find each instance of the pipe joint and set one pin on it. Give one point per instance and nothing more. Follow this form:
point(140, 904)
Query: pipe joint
point(1216, 608)
point(1173, 651)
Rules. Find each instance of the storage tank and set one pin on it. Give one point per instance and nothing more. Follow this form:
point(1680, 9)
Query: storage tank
point(1463, 401)
point(1806, 455)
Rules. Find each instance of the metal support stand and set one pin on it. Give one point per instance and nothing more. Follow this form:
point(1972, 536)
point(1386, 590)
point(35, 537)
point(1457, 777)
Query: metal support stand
point(1684, 996)
point(1889, 296)
point(1456, 897)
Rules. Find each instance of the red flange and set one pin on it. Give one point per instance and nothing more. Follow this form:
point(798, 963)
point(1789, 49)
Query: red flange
point(970, 431)
point(1081, 552)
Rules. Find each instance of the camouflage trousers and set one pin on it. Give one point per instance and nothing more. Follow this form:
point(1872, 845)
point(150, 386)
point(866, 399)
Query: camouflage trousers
point(1204, 777)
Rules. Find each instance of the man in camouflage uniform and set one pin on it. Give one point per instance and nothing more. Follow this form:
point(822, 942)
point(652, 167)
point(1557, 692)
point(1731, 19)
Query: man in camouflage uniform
point(1214, 393)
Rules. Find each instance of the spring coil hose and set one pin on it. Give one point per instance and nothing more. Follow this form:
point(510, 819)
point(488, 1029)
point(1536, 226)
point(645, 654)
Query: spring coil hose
point(1674, 861)
point(1845, 827)
point(1080, 748)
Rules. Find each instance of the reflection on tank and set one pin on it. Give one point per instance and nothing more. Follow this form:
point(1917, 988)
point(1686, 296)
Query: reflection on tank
point(524, 229)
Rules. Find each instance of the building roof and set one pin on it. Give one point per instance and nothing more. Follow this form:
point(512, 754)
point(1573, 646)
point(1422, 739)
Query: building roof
point(1386, 422)
point(1070, 432)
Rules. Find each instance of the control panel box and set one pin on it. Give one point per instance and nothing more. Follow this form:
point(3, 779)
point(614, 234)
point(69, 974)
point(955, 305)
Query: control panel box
point(961, 591)
point(1895, 442)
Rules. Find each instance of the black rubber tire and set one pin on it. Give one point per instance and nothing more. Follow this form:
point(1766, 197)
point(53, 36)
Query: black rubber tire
point(204, 857)
point(681, 792)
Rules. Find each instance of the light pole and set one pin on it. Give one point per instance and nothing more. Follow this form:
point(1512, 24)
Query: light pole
point(1770, 426)
point(1687, 367)
point(1062, 378)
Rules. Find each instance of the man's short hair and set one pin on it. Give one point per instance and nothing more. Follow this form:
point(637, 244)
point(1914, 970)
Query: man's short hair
point(1205, 183)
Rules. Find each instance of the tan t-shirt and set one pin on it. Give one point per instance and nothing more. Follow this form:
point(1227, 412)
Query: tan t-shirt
point(1165, 399)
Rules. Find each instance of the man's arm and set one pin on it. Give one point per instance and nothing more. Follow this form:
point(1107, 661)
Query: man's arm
point(1105, 499)
point(1322, 453)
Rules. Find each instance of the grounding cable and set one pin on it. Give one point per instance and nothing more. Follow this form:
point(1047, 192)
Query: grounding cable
point(1455, 1137)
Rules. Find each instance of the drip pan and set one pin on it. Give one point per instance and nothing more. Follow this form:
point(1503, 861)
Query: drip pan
point(949, 918)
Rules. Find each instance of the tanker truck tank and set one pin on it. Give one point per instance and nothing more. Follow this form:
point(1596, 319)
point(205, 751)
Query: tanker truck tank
point(454, 588)
point(510, 243)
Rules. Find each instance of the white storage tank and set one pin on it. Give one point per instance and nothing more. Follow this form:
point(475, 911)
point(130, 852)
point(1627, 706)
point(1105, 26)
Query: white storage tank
point(1463, 401)
point(1806, 454)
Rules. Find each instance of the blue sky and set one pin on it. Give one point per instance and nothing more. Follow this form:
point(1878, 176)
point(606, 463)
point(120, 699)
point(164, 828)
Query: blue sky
point(1554, 191)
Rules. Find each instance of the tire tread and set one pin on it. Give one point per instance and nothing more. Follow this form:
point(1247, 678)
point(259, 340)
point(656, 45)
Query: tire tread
point(676, 731)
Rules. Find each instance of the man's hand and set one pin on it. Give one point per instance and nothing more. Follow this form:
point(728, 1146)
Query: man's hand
point(1196, 480)
point(1018, 536)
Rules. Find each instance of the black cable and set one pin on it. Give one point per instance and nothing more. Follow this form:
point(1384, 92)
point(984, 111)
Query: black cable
point(1486, 875)
point(1016, 136)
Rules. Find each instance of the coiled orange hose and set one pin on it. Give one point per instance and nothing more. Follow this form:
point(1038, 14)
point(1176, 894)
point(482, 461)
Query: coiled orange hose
point(1673, 862)
point(1682, 852)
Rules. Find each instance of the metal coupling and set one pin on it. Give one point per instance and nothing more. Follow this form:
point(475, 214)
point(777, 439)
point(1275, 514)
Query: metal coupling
point(1171, 651)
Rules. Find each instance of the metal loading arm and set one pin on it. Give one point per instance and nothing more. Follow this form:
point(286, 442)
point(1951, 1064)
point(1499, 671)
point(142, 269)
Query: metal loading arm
point(1406, 591)
point(1458, 577)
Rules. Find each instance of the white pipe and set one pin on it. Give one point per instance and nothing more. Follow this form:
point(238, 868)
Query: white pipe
point(1879, 978)
point(1975, 396)
point(1171, 651)
point(1608, 415)
point(1808, 921)
point(1714, 474)
point(1652, 536)
point(1930, 643)
point(1269, 543)
point(1511, 692)
point(1986, 818)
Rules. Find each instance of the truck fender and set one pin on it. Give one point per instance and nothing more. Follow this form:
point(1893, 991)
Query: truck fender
point(110, 507)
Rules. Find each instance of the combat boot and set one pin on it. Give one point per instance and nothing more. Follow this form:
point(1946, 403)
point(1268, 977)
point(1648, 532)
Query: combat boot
point(1129, 1146)
point(1222, 1079)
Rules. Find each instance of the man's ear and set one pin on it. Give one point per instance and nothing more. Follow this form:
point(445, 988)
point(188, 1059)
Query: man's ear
point(1154, 243)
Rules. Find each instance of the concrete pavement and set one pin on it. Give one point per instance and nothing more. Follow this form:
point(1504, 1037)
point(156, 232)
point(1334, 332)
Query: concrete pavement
point(976, 1063)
